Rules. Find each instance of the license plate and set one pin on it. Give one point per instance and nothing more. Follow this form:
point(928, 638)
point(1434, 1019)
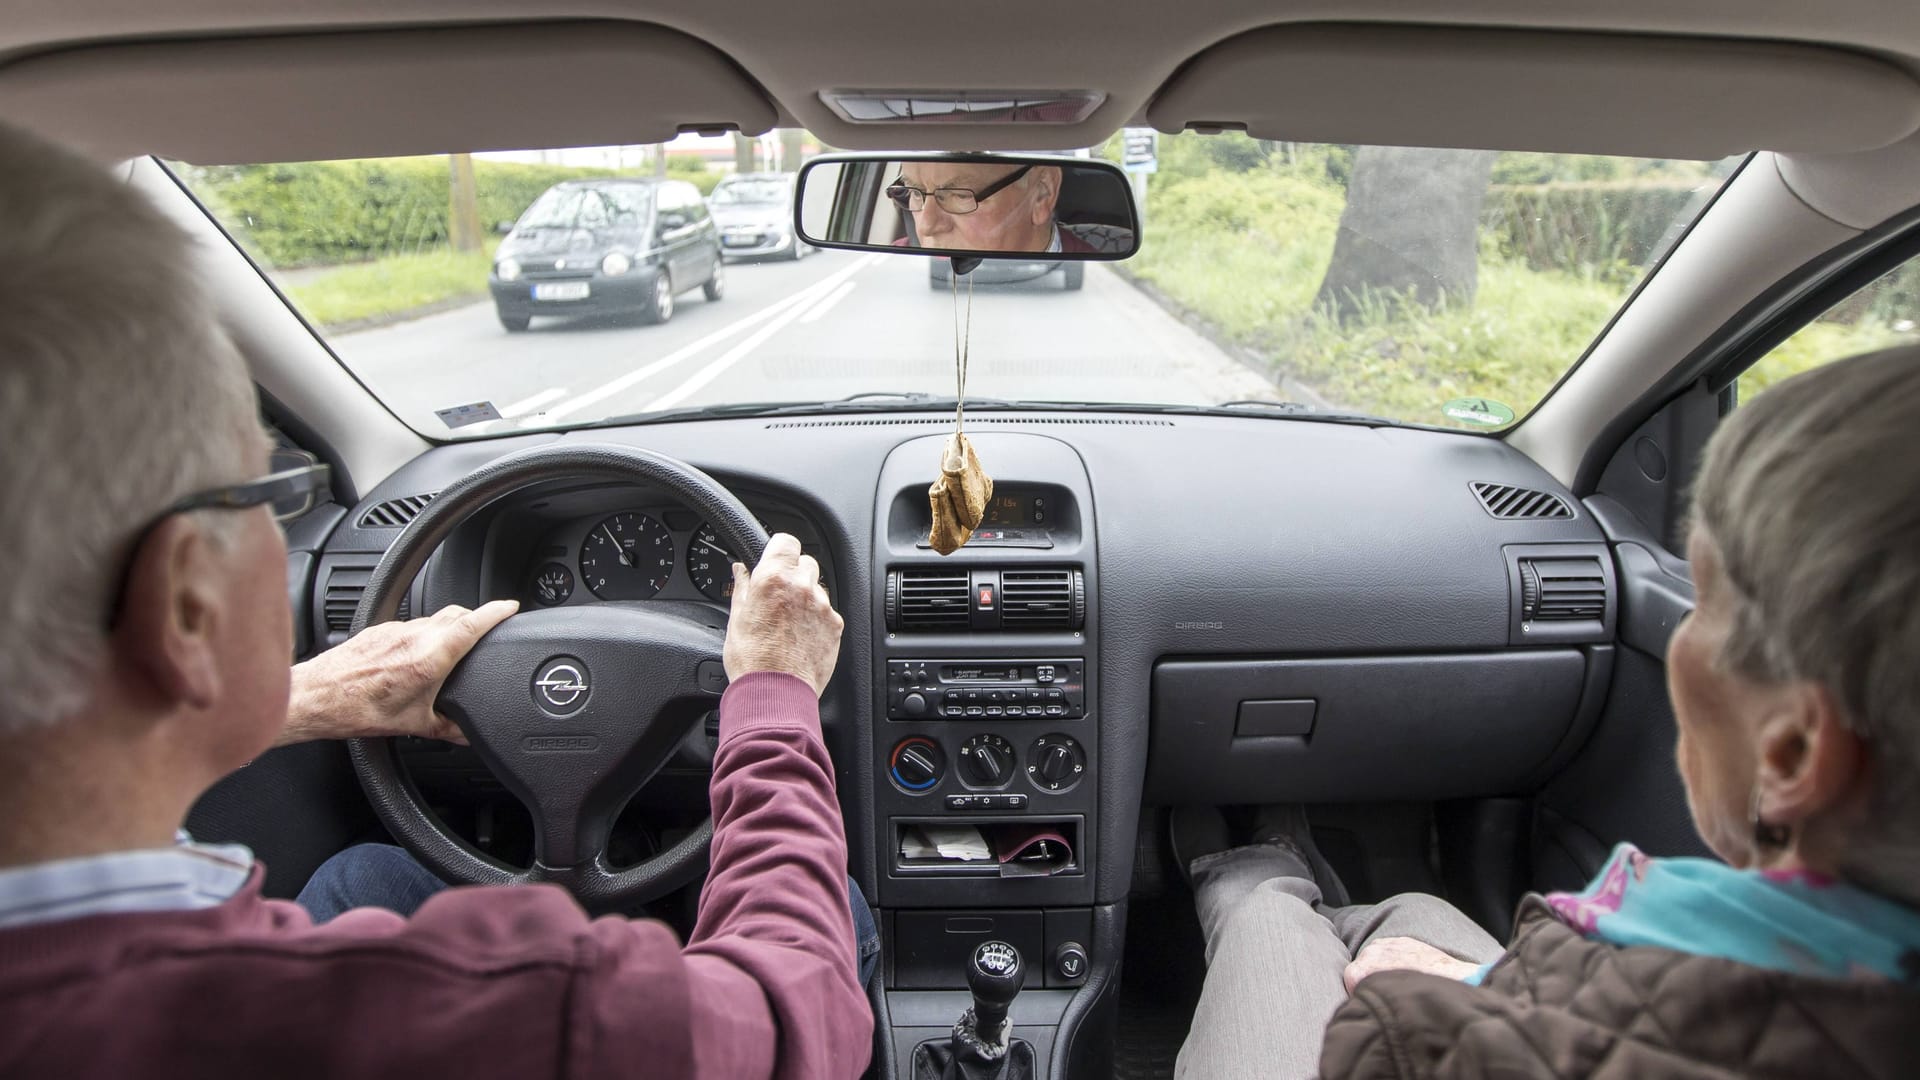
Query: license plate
point(740, 241)
point(560, 290)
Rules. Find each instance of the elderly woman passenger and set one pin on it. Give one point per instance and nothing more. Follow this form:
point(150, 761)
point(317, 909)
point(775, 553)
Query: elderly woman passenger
point(1796, 691)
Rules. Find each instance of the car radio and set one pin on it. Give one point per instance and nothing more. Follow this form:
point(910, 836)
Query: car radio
point(986, 689)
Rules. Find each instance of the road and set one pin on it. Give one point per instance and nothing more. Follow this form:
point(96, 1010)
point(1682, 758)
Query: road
point(834, 324)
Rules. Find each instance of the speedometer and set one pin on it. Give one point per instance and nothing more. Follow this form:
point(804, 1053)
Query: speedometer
point(710, 564)
point(627, 557)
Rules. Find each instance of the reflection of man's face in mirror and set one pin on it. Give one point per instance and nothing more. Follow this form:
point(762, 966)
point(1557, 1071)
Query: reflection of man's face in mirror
point(1018, 217)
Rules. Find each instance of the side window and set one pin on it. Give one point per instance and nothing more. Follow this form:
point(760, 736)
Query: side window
point(1885, 313)
point(696, 206)
point(673, 207)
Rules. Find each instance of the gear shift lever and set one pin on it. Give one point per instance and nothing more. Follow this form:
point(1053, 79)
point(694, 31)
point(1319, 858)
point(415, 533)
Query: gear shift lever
point(982, 1046)
point(995, 974)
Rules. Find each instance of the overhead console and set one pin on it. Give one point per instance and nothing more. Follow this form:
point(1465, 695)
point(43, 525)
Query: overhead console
point(986, 750)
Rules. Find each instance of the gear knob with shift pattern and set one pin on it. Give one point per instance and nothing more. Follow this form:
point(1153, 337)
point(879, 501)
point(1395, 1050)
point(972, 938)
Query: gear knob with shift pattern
point(982, 1046)
point(995, 974)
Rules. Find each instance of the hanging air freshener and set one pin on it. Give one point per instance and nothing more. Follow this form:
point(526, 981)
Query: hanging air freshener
point(960, 496)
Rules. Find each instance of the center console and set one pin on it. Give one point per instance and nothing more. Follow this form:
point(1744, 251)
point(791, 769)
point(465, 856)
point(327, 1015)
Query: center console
point(986, 749)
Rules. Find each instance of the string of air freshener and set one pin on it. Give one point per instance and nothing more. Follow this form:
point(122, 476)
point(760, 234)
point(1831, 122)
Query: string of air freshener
point(959, 497)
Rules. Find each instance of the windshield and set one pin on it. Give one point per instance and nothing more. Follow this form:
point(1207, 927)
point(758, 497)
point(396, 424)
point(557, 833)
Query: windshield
point(753, 193)
point(1448, 288)
point(561, 208)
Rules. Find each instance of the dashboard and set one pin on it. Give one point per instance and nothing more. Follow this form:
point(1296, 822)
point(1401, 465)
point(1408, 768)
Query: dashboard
point(1155, 611)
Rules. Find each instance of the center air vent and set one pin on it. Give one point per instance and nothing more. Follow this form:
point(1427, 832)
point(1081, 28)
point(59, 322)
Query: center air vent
point(1520, 504)
point(928, 600)
point(396, 513)
point(1042, 600)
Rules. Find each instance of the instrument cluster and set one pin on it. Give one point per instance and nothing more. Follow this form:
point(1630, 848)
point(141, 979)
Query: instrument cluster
point(642, 553)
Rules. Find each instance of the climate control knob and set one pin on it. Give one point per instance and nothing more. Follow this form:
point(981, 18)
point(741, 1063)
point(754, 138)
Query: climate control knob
point(1056, 762)
point(917, 764)
point(987, 761)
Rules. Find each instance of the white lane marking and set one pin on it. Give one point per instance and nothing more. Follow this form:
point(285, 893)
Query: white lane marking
point(521, 408)
point(724, 361)
point(826, 305)
point(685, 352)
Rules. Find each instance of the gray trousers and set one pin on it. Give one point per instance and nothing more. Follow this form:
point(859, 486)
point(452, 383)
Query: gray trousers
point(1274, 958)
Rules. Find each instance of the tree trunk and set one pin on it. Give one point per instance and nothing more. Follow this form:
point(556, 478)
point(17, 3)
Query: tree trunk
point(660, 160)
point(463, 209)
point(790, 140)
point(742, 153)
point(1411, 228)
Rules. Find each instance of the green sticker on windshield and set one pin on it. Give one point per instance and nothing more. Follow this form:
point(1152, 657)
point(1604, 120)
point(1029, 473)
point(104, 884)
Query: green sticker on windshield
point(1479, 411)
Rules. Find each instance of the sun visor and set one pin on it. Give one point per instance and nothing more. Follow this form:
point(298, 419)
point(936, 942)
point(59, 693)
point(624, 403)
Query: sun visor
point(1662, 97)
point(383, 93)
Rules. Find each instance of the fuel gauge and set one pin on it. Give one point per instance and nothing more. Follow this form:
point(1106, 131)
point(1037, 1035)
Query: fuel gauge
point(553, 585)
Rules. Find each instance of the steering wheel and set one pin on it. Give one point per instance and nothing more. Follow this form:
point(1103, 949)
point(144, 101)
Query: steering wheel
point(569, 707)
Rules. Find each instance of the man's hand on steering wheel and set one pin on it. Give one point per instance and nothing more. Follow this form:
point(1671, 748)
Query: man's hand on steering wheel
point(383, 680)
point(782, 620)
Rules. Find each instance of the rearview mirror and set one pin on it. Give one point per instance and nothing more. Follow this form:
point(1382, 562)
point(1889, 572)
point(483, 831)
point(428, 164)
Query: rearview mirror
point(986, 206)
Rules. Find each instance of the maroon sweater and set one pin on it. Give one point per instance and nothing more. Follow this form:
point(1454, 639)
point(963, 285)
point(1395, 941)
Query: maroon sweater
point(487, 982)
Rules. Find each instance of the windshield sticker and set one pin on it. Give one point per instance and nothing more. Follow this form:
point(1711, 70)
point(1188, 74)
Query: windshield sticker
point(1481, 411)
point(460, 416)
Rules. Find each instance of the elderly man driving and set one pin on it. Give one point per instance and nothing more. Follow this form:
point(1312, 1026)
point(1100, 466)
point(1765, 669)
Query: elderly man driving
point(982, 207)
point(144, 638)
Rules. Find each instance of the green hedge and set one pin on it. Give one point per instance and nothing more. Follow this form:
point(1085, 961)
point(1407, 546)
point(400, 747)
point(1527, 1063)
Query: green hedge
point(320, 213)
point(1606, 229)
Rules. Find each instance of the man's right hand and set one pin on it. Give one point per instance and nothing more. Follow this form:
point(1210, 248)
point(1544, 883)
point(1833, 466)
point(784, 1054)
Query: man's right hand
point(782, 620)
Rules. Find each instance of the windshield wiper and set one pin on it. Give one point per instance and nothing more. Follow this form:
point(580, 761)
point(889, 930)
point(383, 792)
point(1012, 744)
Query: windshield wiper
point(918, 401)
point(871, 401)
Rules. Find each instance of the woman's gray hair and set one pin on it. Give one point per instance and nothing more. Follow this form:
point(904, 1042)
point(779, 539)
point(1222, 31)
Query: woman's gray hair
point(119, 393)
point(1811, 494)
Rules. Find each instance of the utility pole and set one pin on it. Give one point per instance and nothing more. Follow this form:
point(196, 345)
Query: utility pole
point(463, 209)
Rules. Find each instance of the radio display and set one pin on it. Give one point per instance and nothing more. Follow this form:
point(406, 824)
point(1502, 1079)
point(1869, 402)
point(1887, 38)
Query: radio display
point(983, 674)
point(1014, 507)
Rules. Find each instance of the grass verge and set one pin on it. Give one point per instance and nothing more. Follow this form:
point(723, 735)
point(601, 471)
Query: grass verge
point(397, 285)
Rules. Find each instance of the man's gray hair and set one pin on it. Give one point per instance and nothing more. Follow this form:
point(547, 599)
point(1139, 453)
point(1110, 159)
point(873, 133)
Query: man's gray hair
point(119, 393)
point(1811, 494)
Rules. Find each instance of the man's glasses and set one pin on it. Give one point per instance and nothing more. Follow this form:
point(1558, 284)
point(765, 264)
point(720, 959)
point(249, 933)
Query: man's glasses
point(954, 200)
point(290, 494)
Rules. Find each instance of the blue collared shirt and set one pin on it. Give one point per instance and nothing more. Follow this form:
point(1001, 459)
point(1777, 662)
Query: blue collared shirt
point(185, 877)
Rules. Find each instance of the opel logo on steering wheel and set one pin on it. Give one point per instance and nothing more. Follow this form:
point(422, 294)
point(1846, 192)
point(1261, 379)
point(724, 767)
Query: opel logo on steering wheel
point(561, 685)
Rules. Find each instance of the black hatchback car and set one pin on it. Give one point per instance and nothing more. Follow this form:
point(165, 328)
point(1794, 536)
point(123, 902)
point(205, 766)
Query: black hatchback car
point(617, 246)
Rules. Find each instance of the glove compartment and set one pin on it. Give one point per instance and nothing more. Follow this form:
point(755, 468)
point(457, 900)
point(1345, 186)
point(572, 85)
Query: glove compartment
point(1359, 729)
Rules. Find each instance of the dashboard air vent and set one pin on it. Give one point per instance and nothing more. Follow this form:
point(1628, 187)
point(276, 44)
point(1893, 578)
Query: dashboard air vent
point(396, 513)
point(1515, 503)
point(344, 588)
point(1042, 600)
point(927, 600)
point(1562, 590)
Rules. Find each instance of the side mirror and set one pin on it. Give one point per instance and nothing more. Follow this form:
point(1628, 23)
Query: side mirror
point(503, 227)
point(987, 206)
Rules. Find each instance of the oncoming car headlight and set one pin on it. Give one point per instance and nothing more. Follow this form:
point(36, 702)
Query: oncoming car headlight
point(615, 263)
point(507, 270)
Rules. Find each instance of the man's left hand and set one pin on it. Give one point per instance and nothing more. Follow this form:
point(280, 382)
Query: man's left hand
point(383, 681)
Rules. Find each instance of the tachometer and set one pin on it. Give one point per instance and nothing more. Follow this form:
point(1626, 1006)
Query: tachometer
point(627, 557)
point(710, 564)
